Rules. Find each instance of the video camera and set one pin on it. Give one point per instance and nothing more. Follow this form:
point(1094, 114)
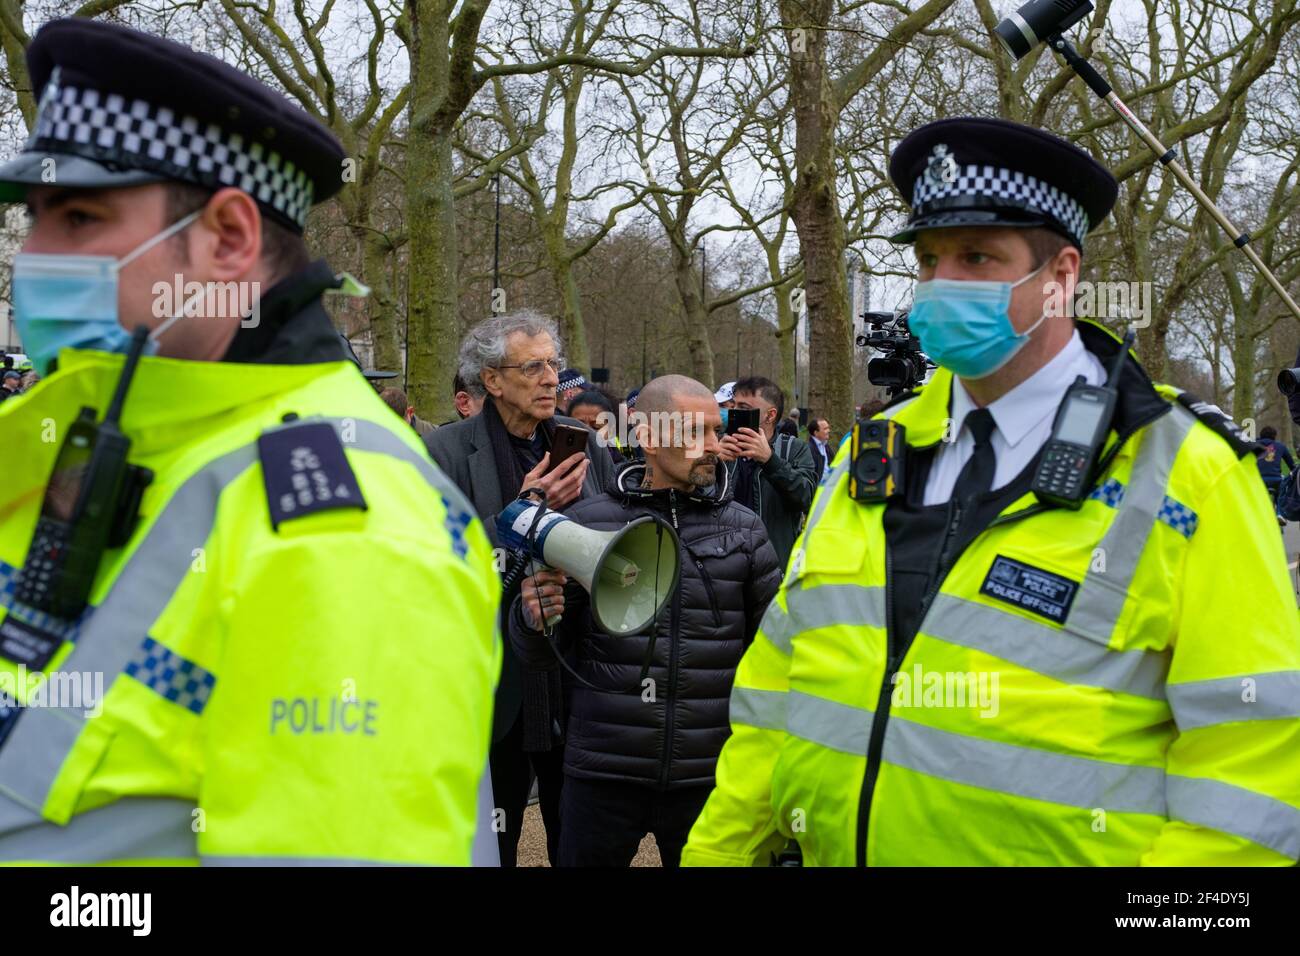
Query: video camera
point(903, 366)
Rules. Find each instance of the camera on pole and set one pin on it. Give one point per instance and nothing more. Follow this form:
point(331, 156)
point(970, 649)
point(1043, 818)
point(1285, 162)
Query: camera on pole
point(904, 365)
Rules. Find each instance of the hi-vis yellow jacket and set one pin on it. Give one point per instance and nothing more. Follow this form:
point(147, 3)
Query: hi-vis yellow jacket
point(1160, 724)
point(318, 691)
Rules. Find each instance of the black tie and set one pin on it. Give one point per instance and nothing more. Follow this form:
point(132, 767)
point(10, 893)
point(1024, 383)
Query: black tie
point(977, 474)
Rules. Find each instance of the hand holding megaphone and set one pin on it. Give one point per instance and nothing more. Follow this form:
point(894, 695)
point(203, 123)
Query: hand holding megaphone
point(543, 597)
point(629, 572)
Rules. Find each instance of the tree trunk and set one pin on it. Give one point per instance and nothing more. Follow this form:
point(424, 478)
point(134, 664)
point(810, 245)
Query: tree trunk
point(375, 251)
point(816, 214)
point(694, 317)
point(15, 54)
point(573, 333)
point(1244, 346)
point(786, 332)
point(434, 332)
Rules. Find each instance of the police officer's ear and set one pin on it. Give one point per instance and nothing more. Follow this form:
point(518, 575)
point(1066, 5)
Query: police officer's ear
point(1064, 267)
point(228, 244)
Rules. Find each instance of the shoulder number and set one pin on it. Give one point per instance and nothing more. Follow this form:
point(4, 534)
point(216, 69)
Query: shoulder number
point(306, 470)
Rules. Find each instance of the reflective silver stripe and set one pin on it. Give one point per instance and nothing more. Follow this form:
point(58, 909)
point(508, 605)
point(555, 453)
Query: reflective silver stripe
point(38, 745)
point(824, 494)
point(295, 861)
point(1025, 771)
point(777, 626)
point(1025, 29)
point(822, 606)
point(41, 740)
point(373, 437)
point(1102, 595)
point(1204, 703)
point(1046, 650)
point(485, 850)
point(14, 815)
point(1230, 809)
point(758, 708)
point(830, 723)
point(133, 828)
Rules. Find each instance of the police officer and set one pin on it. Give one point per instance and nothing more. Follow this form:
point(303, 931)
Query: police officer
point(291, 657)
point(966, 674)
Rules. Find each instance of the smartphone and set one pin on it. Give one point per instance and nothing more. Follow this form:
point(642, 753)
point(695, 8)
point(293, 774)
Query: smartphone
point(738, 418)
point(569, 440)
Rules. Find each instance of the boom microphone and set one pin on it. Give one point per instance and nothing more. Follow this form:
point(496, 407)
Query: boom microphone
point(1037, 20)
point(1042, 21)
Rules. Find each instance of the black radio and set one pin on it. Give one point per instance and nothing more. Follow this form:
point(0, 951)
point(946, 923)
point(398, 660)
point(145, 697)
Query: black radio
point(91, 504)
point(1079, 431)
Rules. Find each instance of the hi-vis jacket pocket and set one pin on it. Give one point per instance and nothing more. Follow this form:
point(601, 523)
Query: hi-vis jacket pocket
point(830, 551)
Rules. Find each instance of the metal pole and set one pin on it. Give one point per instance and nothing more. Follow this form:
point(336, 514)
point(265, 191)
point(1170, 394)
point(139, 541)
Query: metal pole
point(1166, 156)
point(496, 243)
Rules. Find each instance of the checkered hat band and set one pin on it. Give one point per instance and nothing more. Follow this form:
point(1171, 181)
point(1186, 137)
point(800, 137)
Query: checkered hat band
point(991, 182)
point(140, 135)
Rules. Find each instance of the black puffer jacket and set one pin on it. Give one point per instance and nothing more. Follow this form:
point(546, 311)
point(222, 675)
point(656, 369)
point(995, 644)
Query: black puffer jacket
point(728, 576)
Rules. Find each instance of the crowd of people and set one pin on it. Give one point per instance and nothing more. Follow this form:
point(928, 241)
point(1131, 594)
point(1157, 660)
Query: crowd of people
point(608, 765)
point(17, 378)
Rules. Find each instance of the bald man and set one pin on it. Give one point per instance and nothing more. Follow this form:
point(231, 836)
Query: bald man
point(643, 740)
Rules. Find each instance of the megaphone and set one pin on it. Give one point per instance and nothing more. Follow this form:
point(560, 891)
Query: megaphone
point(629, 573)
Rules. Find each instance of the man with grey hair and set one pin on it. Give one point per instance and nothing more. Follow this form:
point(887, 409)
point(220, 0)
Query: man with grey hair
point(649, 716)
point(492, 457)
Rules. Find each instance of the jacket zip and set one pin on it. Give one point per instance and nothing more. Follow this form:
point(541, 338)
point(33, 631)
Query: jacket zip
point(708, 586)
point(881, 716)
point(895, 655)
point(671, 703)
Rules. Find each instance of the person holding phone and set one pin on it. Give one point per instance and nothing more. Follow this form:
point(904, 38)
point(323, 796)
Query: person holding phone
point(774, 476)
point(515, 443)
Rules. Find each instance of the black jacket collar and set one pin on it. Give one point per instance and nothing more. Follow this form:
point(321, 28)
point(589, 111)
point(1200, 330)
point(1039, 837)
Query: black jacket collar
point(1139, 403)
point(627, 486)
point(293, 327)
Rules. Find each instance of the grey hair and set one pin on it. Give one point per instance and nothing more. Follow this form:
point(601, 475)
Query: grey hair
point(484, 346)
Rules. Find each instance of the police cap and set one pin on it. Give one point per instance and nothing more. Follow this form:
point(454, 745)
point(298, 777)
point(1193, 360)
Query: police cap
point(975, 171)
point(121, 108)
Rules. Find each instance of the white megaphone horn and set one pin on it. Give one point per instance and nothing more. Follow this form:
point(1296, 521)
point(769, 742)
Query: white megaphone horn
point(629, 573)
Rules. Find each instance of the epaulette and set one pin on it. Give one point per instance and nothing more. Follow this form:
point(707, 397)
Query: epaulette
point(1214, 418)
point(306, 470)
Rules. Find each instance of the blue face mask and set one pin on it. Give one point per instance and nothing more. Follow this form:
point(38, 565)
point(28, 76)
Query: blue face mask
point(66, 301)
point(965, 327)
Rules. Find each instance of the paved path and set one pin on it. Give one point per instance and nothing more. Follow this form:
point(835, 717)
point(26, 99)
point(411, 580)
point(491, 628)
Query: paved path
point(532, 845)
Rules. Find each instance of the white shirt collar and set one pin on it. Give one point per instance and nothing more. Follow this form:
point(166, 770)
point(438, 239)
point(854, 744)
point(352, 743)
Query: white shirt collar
point(1018, 411)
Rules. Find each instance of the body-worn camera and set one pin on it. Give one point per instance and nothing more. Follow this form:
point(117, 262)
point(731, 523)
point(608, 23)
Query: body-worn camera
point(879, 454)
point(903, 366)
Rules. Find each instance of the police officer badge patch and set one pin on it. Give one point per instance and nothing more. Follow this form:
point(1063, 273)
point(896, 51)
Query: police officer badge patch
point(942, 167)
point(1033, 589)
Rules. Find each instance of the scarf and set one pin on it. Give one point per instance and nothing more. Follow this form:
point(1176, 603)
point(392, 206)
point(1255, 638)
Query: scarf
point(542, 691)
